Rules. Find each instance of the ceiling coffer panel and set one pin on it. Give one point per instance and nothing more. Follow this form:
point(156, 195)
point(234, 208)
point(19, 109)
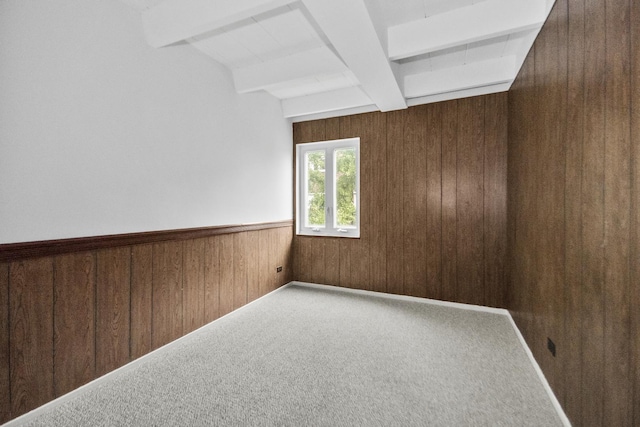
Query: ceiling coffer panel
point(325, 58)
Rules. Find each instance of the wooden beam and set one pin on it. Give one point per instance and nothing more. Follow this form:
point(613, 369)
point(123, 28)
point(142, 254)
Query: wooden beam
point(347, 25)
point(480, 21)
point(314, 62)
point(340, 99)
point(475, 74)
point(175, 20)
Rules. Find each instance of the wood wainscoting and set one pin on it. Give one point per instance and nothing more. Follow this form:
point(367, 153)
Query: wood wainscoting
point(433, 203)
point(69, 316)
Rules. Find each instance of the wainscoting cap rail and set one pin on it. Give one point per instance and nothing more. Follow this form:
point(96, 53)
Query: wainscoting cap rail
point(17, 251)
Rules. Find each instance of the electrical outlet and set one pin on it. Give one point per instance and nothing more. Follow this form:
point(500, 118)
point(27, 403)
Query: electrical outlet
point(278, 269)
point(551, 346)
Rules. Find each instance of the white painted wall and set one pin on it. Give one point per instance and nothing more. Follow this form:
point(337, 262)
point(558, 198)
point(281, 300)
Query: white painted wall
point(102, 134)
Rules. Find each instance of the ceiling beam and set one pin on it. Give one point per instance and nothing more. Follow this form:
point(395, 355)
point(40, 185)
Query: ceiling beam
point(347, 25)
point(466, 93)
point(175, 20)
point(474, 74)
point(480, 21)
point(340, 99)
point(335, 113)
point(303, 65)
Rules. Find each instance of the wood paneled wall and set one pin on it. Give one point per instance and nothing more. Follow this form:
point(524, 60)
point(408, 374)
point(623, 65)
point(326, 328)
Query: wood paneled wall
point(67, 319)
point(433, 203)
point(574, 207)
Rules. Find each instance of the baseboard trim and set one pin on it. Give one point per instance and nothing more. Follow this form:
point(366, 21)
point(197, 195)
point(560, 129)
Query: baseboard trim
point(18, 251)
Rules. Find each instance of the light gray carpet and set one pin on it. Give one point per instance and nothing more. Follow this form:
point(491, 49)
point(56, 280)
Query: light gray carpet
point(307, 356)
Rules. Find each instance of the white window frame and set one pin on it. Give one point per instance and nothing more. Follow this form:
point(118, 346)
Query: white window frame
point(330, 228)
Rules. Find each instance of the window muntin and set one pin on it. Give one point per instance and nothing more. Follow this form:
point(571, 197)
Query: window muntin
point(328, 188)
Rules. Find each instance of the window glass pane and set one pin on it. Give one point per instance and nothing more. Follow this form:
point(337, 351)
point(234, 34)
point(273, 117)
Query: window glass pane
point(345, 182)
point(314, 163)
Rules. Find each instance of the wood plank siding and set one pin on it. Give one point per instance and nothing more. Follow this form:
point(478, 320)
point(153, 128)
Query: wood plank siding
point(433, 203)
point(574, 138)
point(528, 200)
point(69, 318)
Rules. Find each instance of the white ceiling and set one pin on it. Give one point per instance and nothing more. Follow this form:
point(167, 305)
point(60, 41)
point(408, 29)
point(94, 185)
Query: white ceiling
point(326, 58)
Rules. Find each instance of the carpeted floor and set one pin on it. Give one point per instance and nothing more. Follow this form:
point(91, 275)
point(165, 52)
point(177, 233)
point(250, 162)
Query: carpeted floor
point(327, 357)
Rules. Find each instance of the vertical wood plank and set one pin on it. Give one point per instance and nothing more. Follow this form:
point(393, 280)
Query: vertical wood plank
point(141, 300)
point(415, 203)
point(395, 201)
point(226, 273)
point(267, 269)
point(286, 237)
point(253, 266)
point(533, 236)
point(495, 199)
point(315, 259)
point(31, 334)
point(346, 254)
point(549, 222)
point(281, 255)
point(434, 201)
point(573, 215)
point(377, 186)
point(304, 258)
point(5, 373)
point(634, 280)
point(113, 309)
point(299, 273)
point(193, 296)
point(362, 269)
point(74, 332)
point(332, 261)
point(470, 149)
point(449, 200)
point(332, 129)
point(617, 184)
point(212, 279)
point(521, 139)
point(561, 16)
point(167, 293)
point(529, 278)
point(275, 258)
point(239, 269)
point(593, 217)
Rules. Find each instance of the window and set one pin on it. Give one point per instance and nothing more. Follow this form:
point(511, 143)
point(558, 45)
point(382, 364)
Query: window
point(328, 188)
